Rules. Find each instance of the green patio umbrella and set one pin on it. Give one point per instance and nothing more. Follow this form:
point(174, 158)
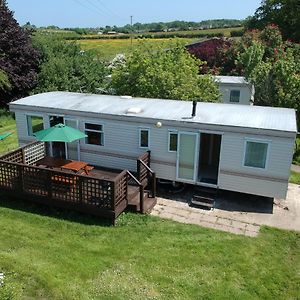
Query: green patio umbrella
point(59, 133)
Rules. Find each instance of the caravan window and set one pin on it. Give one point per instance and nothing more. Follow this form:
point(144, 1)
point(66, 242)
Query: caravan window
point(173, 138)
point(256, 153)
point(144, 138)
point(235, 96)
point(34, 124)
point(95, 134)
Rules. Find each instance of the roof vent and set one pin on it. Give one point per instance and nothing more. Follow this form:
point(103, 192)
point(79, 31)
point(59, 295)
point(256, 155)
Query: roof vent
point(134, 110)
point(126, 97)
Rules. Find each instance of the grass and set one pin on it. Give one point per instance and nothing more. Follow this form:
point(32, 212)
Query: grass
point(296, 158)
point(107, 49)
point(8, 124)
point(294, 177)
point(49, 254)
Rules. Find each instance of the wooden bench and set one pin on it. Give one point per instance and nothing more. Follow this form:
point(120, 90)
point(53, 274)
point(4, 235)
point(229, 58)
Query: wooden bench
point(64, 180)
point(87, 169)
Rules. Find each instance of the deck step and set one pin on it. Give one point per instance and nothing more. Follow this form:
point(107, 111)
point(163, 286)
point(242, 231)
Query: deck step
point(204, 200)
point(134, 203)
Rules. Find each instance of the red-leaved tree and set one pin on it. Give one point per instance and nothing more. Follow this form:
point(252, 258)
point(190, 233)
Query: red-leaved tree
point(211, 51)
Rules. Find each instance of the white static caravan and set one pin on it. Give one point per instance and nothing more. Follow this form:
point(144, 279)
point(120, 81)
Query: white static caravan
point(232, 147)
point(235, 90)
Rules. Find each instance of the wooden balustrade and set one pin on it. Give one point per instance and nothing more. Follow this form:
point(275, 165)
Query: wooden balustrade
point(104, 197)
point(145, 174)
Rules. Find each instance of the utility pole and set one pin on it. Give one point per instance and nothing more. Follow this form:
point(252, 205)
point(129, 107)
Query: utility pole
point(131, 29)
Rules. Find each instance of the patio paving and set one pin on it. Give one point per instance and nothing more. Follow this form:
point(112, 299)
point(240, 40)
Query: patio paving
point(234, 212)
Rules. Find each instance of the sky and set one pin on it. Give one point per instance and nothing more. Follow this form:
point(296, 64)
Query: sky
point(97, 13)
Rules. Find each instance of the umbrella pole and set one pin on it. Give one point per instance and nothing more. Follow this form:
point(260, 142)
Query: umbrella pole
point(78, 150)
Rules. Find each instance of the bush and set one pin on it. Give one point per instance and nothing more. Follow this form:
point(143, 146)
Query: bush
point(236, 33)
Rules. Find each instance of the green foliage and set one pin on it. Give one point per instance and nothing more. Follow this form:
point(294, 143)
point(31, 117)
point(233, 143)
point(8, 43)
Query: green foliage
point(250, 57)
point(7, 124)
point(4, 81)
point(273, 66)
point(171, 74)
point(60, 255)
point(66, 67)
point(296, 157)
point(283, 13)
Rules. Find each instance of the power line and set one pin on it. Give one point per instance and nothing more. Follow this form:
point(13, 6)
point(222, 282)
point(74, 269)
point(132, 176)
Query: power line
point(85, 6)
point(111, 12)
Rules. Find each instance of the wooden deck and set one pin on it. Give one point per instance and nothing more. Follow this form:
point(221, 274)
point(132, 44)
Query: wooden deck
point(102, 192)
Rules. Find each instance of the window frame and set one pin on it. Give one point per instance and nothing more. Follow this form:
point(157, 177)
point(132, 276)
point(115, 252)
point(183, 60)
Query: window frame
point(94, 130)
point(261, 141)
point(33, 115)
point(169, 140)
point(140, 131)
point(231, 91)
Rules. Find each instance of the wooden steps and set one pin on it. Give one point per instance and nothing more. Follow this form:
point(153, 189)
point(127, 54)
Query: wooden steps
point(134, 203)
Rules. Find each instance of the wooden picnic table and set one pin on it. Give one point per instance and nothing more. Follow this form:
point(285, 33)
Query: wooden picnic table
point(65, 164)
point(75, 166)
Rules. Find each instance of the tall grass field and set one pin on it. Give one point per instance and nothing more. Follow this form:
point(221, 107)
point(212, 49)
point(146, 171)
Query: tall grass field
point(107, 49)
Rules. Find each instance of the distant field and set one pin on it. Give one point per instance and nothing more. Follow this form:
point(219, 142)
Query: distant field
point(189, 33)
point(108, 48)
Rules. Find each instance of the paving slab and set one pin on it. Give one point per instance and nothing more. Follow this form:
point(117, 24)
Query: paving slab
point(238, 216)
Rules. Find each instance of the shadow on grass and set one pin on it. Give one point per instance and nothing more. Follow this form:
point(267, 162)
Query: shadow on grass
point(20, 204)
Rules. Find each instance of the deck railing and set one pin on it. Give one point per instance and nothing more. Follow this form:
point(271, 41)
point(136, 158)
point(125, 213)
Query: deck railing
point(135, 182)
point(58, 185)
point(20, 176)
point(51, 186)
point(145, 174)
point(28, 154)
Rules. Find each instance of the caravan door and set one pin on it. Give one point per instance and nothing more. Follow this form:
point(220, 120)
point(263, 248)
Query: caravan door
point(187, 156)
point(73, 149)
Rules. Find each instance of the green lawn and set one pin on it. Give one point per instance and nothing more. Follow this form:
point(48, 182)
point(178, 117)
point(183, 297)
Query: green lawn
point(295, 177)
point(8, 124)
point(49, 254)
point(296, 158)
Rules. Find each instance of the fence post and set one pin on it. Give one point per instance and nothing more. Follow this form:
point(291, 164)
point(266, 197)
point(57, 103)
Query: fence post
point(23, 156)
point(49, 173)
point(20, 169)
point(113, 198)
point(149, 158)
point(141, 199)
point(153, 185)
point(138, 170)
point(80, 188)
point(126, 188)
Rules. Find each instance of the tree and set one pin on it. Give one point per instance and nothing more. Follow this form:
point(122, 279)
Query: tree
point(171, 74)
point(18, 59)
point(273, 66)
point(284, 13)
point(212, 52)
point(65, 67)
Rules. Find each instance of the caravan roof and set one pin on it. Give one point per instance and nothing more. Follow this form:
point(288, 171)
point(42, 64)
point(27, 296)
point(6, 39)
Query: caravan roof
point(269, 118)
